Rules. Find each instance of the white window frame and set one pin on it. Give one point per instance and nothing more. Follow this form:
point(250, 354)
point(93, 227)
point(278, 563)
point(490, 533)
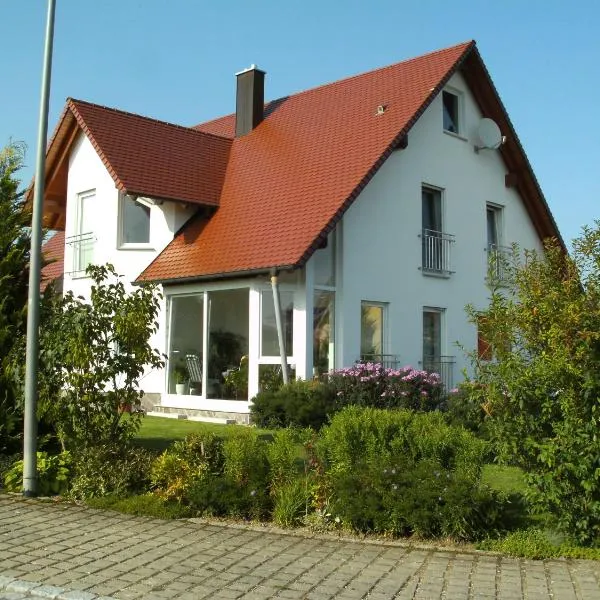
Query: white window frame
point(121, 245)
point(442, 312)
point(499, 223)
point(459, 112)
point(76, 271)
point(271, 359)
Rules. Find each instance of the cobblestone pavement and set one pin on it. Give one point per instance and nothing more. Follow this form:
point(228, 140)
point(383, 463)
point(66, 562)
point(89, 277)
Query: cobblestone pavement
point(76, 553)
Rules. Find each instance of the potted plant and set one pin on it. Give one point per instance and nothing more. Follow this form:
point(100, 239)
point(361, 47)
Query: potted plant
point(180, 374)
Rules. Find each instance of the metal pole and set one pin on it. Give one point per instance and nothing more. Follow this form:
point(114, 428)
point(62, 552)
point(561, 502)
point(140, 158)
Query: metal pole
point(33, 298)
point(280, 325)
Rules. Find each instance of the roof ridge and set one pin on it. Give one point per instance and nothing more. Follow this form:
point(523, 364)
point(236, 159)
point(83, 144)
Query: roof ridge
point(154, 120)
point(471, 43)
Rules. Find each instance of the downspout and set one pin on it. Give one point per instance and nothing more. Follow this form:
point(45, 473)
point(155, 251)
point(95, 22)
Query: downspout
point(279, 323)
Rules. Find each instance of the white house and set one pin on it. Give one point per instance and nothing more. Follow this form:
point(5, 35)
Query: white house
point(368, 208)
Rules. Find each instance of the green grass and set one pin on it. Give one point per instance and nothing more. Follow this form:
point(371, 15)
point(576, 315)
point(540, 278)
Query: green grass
point(158, 433)
point(510, 480)
point(147, 505)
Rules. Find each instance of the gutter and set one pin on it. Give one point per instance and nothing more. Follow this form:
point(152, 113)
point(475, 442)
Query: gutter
point(280, 326)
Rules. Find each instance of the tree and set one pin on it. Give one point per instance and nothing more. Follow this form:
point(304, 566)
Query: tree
point(15, 218)
point(93, 354)
point(541, 389)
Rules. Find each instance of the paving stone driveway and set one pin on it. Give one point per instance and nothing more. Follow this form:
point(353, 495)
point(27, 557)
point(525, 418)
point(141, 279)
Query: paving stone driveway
point(101, 553)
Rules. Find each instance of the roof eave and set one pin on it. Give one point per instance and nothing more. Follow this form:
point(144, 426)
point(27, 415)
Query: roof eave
point(215, 276)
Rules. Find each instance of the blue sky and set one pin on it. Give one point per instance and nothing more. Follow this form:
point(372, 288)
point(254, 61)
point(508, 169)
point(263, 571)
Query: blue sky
point(175, 60)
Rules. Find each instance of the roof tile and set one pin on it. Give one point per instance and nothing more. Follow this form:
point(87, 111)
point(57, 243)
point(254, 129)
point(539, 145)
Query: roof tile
point(288, 180)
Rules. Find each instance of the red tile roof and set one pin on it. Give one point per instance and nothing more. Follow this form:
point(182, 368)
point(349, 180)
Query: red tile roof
point(53, 251)
point(152, 158)
point(291, 178)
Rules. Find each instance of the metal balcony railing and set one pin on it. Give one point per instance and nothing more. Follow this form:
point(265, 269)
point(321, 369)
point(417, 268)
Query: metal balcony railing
point(83, 251)
point(499, 257)
point(387, 361)
point(436, 252)
point(443, 366)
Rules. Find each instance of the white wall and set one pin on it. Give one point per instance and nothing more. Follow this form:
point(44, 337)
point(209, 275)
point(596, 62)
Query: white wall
point(382, 247)
point(87, 172)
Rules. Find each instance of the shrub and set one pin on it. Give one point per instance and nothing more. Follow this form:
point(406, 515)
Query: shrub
point(176, 470)
point(240, 488)
point(370, 384)
point(292, 501)
point(543, 386)
point(53, 474)
point(95, 352)
point(282, 454)
point(463, 408)
point(100, 471)
point(403, 472)
point(297, 404)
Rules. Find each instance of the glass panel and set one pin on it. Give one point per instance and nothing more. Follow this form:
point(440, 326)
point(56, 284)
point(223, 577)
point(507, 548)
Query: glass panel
point(371, 329)
point(492, 227)
point(228, 344)
point(269, 339)
point(325, 263)
point(323, 332)
point(84, 246)
point(450, 102)
point(185, 345)
point(432, 209)
point(432, 336)
point(136, 222)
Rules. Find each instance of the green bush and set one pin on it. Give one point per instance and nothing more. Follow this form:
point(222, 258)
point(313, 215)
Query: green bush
point(542, 389)
point(297, 404)
point(368, 436)
point(100, 471)
point(282, 454)
point(463, 408)
point(176, 470)
point(292, 501)
point(143, 505)
point(402, 472)
point(53, 474)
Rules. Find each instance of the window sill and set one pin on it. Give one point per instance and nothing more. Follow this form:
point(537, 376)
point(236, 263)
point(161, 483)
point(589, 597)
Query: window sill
point(455, 135)
point(438, 274)
point(147, 247)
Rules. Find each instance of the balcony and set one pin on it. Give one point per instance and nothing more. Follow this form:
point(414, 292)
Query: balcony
point(82, 246)
point(498, 261)
point(436, 252)
point(443, 366)
point(387, 361)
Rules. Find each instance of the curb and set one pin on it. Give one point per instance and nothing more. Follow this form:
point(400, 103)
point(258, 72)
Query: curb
point(50, 592)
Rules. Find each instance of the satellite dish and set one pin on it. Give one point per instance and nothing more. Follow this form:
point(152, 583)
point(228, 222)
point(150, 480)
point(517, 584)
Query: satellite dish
point(489, 134)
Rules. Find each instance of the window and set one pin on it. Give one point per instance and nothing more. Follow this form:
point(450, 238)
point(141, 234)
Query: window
point(134, 223)
point(323, 331)
point(450, 103)
point(493, 226)
point(435, 243)
point(433, 346)
point(83, 239)
point(432, 336)
point(372, 328)
point(324, 260)
point(269, 342)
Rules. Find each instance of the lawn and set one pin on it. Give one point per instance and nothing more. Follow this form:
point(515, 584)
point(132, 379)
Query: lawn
point(504, 479)
point(158, 433)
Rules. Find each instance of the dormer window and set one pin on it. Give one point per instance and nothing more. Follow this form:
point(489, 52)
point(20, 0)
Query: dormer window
point(451, 112)
point(134, 223)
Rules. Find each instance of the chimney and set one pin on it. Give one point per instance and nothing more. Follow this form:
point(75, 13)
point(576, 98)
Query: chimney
point(250, 100)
